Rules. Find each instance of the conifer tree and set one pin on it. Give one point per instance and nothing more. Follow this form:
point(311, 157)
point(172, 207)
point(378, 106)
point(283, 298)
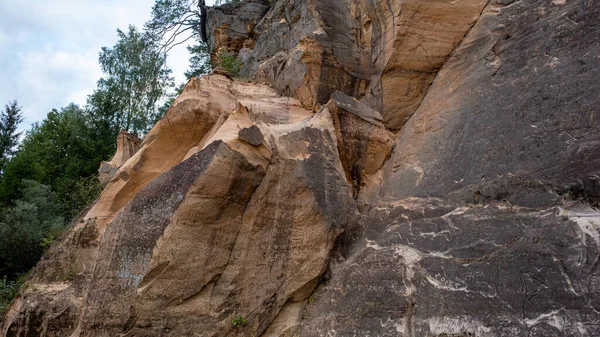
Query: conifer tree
point(10, 118)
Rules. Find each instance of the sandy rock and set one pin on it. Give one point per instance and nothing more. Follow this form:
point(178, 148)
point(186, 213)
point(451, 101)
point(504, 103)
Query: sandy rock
point(502, 108)
point(386, 53)
point(127, 145)
point(466, 239)
point(194, 232)
point(231, 25)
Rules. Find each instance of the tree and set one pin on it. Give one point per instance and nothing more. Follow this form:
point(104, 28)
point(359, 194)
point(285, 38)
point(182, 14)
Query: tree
point(199, 61)
point(35, 217)
point(175, 22)
point(62, 151)
point(136, 78)
point(10, 119)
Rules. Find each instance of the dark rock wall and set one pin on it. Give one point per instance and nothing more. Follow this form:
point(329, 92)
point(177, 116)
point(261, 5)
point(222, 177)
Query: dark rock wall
point(481, 229)
point(518, 97)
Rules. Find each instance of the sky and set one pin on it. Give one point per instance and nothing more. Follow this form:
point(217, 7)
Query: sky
point(49, 49)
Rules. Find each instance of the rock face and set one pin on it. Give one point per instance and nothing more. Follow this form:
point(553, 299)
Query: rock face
point(232, 25)
point(203, 224)
point(386, 53)
point(410, 168)
point(127, 145)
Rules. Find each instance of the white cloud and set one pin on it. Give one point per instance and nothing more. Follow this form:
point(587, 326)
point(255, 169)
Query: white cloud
point(49, 49)
point(49, 80)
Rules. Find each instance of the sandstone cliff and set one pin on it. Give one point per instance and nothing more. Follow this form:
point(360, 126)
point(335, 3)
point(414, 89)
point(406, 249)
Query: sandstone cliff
point(391, 168)
point(127, 145)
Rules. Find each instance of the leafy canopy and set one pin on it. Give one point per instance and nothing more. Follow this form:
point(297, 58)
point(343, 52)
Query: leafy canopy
point(136, 78)
point(62, 152)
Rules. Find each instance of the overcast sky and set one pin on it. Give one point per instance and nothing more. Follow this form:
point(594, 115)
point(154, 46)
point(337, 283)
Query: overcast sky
point(49, 49)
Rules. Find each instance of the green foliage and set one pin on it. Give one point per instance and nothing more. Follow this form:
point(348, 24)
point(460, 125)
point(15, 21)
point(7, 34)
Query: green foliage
point(239, 321)
point(229, 63)
point(69, 275)
point(172, 18)
point(48, 240)
point(49, 180)
point(28, 225)
point(199, 61)
point(8, 291)
point(63, 152)
point(136, 78)
point(77, 193)
point(175, 22)
point(10, 118)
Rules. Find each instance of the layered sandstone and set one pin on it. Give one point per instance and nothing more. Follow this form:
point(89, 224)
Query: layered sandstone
point(182, 231)
point(392, 168)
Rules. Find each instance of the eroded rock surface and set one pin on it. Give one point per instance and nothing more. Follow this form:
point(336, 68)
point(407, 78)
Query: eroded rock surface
point(517, 98)
point(429, 268)
point(407, 168)
point(195, 233)
point(384, 52)
point(364, 142)
point(127, 145)
point(476, 232)
point(232, 25)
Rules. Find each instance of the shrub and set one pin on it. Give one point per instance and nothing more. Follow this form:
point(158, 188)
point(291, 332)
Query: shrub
point(239, 321)
point(229, 63)
point(28, 228)
point(69, 275)
point(8, 291)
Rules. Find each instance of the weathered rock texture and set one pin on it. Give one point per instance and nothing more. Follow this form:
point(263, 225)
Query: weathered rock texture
point(201, 225)
point(127, 145)
point(384, 52)
point(409, 168)
point(232, 25)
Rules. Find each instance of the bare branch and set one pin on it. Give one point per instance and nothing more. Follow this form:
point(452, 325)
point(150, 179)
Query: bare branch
point(173, 38)
point(178, 43)
point(175, 25)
